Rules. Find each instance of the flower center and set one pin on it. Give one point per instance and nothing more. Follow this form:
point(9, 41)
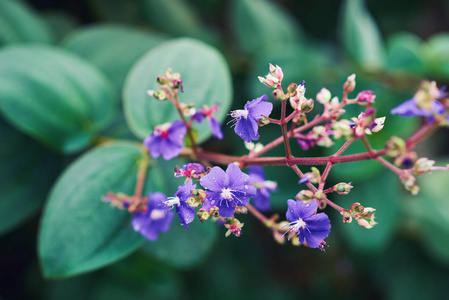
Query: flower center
point(300, 224)
point(226, 194)
point(157, 214)
point(239, 113)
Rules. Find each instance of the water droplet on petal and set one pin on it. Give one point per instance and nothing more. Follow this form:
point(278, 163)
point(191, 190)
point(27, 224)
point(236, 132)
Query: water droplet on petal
point(246, 187)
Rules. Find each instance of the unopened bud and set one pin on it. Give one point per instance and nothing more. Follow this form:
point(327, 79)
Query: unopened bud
point(161, 79)
point(347, 218)
point(203, 214)
point(366, 224)
point(307, 105)
point(349, 85)
point(422, 166)
point(292, 89)
point(324, 96)
point(263, 121)
point(395, 146)
point(268, 81)
point(241, 210)
point(356, 208)
point(343, 188)
point(214, 211)
point(279, 95)
point(305, 195)
point(160, 95)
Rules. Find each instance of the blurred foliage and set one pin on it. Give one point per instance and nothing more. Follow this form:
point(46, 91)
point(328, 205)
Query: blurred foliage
point(64, 65)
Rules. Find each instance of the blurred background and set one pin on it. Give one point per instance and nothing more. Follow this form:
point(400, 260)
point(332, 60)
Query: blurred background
point(390, 45)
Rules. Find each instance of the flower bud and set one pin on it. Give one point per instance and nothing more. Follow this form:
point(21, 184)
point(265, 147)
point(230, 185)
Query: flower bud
point(214, 211)
point(161, 79)
point(406, 159)
point(241, 210)
point(366, 224)
point(422, 166)
point(203, 214)
point(292, 89)
point(343, 188)
point(366, 96)
point(305, 195)
point(307, 105)
point(160, 95)
point(347, 218)
point(356, 208)
point(395, 146)
point(278, 94)
point(349, 85)
point(268, 82)
point(324, 96)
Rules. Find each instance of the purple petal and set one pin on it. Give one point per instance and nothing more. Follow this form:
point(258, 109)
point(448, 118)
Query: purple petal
point(183, 191)
point(243, 129)
point(227, 209)
point(318, 228)
point(256, 174)
point(291, 212)
point(262, 200)
point(215, 127)
point(153, 144)
point(259, 108)
point(438, 108)
point(169, 149)
point(242, 198)
point(216, 180)
point(185, 213)
point(212, 199)
point(409, 109)
point(305, 210)
point(199, 115)
point(237, 180)
point(156, 200)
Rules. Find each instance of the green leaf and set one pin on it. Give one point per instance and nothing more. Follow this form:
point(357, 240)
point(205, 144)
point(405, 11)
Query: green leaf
point(184, 249)
point(27, 171)
point(360, 36)
point(95, 43)
point(79, 232)
point(19, 24)
point(430, 212)
point(53, 96)
point(60, 22)
point(175, 17)
point(260, 23)
point(206, 80)
point(404, 53)
point(117, 11)
point(381, 192)
point(435, 52)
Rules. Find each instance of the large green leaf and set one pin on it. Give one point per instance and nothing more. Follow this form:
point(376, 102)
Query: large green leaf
point(261, 23)
point(383, 193)
point(128, 44)
point(435, 52)
point(19, 24)
point(27, 171)
point(79, 232)
point(176, 17)
point(205, 76)
point(360, 36)
point(430, 212)
point(54, 96)
point(181, 248)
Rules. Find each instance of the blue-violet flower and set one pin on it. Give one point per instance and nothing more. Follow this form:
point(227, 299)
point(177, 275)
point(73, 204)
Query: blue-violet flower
point(226, 190)
point(156, 219)
point(246, 120)
point(166, 140)
point(310, 227)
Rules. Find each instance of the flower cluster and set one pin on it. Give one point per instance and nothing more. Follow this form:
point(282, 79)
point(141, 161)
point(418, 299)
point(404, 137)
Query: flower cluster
point(210, 192)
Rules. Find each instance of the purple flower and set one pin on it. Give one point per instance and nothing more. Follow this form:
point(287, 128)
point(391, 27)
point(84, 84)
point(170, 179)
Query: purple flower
point(185, 212)
point(214, 125)
point(309, 226)
point(227, 190)
point(263, 188)
point(156, 219)
point(246, 120)
point(166, 140)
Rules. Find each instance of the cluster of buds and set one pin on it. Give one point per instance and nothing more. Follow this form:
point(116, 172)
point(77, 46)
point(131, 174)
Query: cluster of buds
point(366, 97)
point(319, 135)
point(363, 215)
point(198, 197)
point(191, 171)
point(298, 101)
point(273, 78)
point(423, 166)
point(168, 82)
